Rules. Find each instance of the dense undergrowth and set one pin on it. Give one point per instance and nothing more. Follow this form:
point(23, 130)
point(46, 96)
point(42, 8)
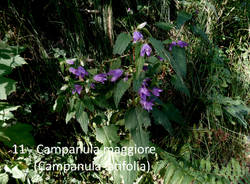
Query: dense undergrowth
point(169, 75)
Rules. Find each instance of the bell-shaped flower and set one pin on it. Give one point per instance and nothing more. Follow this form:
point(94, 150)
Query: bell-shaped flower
point(115, 74)
point(78, 89)
point(146, 49)
point(137, 36)
point(100, 77)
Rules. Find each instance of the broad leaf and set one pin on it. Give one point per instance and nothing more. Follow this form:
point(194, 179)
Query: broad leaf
point(4, 178)
point(13, 61)
point(139, 66)
point(179, 85)
point(4, 70)
point(162, 119)
point(182, 17)
point(108, 160)
point(120, 88)
point(17, 134)
point(121, 43)
point(7, 86)
point(82, 117)
point(180, 58)
point(161, 51)
point(136, 120)
point(107, 135)
point(115, 64)
point(164, 26)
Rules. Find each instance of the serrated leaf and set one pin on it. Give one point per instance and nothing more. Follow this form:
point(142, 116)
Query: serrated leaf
point(4, 178)
point(179, 84)
point(7, 86)
point(69, 116)
point(161, 51)
point(139, 66)
point(108, 159)
point(17, 173)
point(136, 120)
point(121, 43)
point(115, 64)
point(164, 26)
point(182, 17)
point(180, 58)
point(82, 117)
point(107, 135)
point(13, 61)
point(162, 119)
point(4, 70)
point(5, 111)
point(22, 137)
point(120, 88)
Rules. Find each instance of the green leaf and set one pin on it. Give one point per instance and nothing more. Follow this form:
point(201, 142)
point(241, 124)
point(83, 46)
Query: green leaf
point(164, 26)
point(161, 51)
point(13, 61)
point(198, 31)
point(4, 178)
point(107, 135)
point(17, 134)
point(120, 88)
point(7, 86)
point(17, 173)
point(58, 105)
point(4, 70)
point(69, 116)
point(173, 113)
point(115, 64)
point(139, 66)
point(182, 17)
point(179, 85)
point(88, 104)
point(162, 119)
point(108, 159)
point(121, 43)
point(138, 81)
point(135, 121)
point(180, 58)
point(82, 116)
point(5, 111)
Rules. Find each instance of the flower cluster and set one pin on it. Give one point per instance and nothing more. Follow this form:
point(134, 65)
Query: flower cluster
point(146, 49)
point(115, 74)
point(79, 72)
point(145, 93)
point(178, 43)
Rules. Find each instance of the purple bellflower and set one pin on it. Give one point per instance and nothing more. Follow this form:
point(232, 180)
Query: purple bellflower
point(148, 105)
point(171, 45)
point(137, 36)
point(78, 89)
point(115, 74)
point(156, 91)
point(70, 61)
point(160, 58)
point(79, 72)
point(182, 44)
point(146, 49)
point(100, 77)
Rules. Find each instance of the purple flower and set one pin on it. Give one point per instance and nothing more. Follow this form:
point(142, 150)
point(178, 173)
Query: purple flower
point(92, 86)
point(144, 92)
point(145, 67)
point(144, 82)
point(80, 71)
point(137, 36)
point(156, 91)
point(160, 58)
point(100, 77)
point(148, 105)
point(145, 49)
point(115, 74)
point(182, 44)
point(70, 61)
point(128, 10)
point(171, 45)
point(72, 70)
point(78, 89)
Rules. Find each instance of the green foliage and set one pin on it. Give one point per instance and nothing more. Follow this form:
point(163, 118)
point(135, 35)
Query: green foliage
point(121, 43)
point(162, 119)
point(120, 88)
point(82, 117)
point(9, 135)
point(182, 18)
point(136, 120)
point(164, 26)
